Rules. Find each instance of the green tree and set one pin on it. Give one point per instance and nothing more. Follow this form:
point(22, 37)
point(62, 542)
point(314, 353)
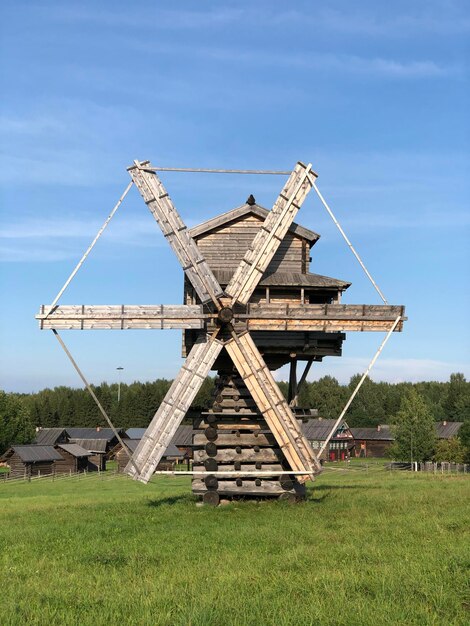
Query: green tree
point(15, 423)
point(414, 429)
point(464, 438)
point(457, 402)
point(450, 450)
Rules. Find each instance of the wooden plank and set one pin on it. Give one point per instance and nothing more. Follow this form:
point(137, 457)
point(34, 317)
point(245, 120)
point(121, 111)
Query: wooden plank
point(245, 467)
point(176, 233)
point(248, 487)
point(271, 403)
point(271, 234)
point(246, 455)
point(243, 439)
point(121, 317)
point(231, 425)
point(173, 408)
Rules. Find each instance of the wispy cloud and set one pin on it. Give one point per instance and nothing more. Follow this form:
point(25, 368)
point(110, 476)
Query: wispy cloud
point(372, 66)
point(435, 18)
point(49, 240)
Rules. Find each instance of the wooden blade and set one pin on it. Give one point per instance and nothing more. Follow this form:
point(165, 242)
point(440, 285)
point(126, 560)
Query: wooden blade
point(270, 235)
point(271, 403)
point(121, 317)
point(323, 317)
point(173, 408)
point(162, 208)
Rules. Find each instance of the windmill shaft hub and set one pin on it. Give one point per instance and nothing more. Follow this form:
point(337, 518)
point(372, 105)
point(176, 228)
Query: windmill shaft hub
point(225, 315)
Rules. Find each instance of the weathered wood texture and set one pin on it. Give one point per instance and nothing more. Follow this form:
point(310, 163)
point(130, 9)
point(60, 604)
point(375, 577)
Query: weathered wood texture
point(241, 439)
point(70, 463)
point(176, 233)
point(226, 246)
point(272, 404)
point(249, 487)
point(173, 408)
point(270, 235)
point(246, 449)
point(323, 317)
point(121, 317)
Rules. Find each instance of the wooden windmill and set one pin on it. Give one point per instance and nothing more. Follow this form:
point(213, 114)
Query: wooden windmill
point(244, 314)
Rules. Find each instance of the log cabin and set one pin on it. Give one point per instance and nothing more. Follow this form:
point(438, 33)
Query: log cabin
point(31, 460)
point(372, 442)
point(74, 459)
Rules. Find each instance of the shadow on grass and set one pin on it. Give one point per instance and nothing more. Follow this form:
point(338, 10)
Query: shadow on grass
point(343, 487)
point(171, 500)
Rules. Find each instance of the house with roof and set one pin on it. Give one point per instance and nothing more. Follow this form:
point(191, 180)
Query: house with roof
point(171, 457)
point(372, 442)
point(74, 459)
point(448, 430)
point(31, 460)
point(341, 444)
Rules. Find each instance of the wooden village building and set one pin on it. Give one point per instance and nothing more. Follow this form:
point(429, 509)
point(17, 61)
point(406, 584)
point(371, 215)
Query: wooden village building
point(31, 460)
point(169, 460)
point(74, 459)
point(341, 444)
point(372, 442)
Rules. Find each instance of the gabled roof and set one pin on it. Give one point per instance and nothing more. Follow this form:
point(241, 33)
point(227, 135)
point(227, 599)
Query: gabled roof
point(319, 429)
point(35, 453)
point(135, 433)
point(289, 280)
point(74, 449)
point(373, 434)
point(92, 433)
point(49, 436)
point(172, 451)
point(446, 430)
point(246, 209)
point(183, 435)
point(93, 445)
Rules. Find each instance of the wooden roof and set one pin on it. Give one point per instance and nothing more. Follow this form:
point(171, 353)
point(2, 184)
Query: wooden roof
point(35, 453)
point(92, 433)
point(446, 430)
point(373, 434)
point(49, 436)
point(289, 280)
point(74, 449)
point(93, 445)
point(319, 429)
point(247, 209)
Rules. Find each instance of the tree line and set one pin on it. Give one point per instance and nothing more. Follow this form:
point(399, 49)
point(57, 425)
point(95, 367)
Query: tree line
point(377, 403)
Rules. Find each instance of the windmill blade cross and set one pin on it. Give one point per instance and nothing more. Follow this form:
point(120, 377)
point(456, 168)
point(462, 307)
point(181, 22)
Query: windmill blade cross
point(164, 211)
point(271, 234)
point(173, 408)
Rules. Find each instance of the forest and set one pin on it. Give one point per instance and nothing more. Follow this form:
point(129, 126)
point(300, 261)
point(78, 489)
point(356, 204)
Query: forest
point(376, 403)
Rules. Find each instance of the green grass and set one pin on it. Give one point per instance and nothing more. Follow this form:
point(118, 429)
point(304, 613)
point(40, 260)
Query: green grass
point(368, 547)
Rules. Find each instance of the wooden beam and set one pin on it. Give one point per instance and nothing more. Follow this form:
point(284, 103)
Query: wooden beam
point(121, 317)
point(173, 408)
point(271, 234)
point(176, 233)
point(271, 403)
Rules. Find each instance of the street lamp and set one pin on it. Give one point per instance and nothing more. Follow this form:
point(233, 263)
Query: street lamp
point(119, 369)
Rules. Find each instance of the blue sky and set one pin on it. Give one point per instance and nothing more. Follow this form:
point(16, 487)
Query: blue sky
point(375, 95)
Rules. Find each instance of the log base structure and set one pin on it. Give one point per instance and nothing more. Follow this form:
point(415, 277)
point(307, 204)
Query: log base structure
point(233, 436)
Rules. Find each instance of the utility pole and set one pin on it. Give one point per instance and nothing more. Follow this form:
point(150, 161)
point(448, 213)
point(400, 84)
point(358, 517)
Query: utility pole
point(119, 369)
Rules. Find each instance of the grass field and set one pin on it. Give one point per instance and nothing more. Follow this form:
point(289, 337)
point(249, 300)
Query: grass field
point(366, 548)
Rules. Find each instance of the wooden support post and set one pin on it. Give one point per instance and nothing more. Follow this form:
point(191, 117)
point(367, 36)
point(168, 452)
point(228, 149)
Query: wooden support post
point(292, 393)
point(303, 378)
